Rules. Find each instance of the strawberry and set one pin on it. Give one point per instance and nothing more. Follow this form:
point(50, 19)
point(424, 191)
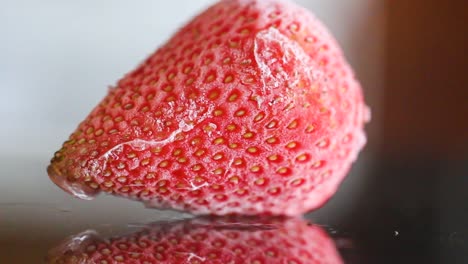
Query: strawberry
point(250, 108)
point(205, 240)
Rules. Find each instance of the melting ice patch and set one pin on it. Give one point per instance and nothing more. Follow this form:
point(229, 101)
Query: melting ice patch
point(282, 62)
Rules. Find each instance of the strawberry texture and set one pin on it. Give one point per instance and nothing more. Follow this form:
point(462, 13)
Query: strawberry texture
point(250, 108)
point(205, 240)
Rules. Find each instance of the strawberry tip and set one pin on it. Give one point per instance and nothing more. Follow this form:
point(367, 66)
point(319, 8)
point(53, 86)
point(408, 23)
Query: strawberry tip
point(76, 189)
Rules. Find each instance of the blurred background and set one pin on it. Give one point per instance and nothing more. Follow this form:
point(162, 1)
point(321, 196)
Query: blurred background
point(57, 59)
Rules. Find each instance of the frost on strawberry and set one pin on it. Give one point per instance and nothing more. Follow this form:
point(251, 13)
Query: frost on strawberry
point(250, 108)
point(205, 240)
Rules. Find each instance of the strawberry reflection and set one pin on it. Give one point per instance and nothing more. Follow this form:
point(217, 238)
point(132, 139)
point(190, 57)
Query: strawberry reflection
point(225, 240)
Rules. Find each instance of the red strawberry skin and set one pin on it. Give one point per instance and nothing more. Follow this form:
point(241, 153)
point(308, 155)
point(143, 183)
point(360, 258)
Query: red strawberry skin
point(207, 241)
point(250, 109)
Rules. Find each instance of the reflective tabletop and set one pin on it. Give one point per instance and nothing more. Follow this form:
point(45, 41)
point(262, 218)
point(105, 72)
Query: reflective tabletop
point(39, 223)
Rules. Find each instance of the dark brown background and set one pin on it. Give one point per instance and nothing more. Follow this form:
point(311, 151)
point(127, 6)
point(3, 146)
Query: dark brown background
point(419, 184)
point(426, 87)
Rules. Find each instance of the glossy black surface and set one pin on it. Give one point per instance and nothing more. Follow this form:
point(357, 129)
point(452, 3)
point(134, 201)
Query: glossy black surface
point(402, 214)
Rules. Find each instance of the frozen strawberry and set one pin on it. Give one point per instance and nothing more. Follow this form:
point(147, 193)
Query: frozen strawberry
point(207, 241)
point(250, 108)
